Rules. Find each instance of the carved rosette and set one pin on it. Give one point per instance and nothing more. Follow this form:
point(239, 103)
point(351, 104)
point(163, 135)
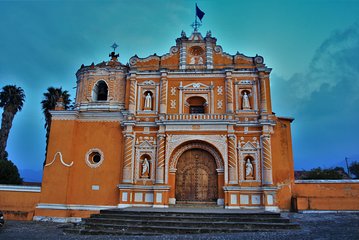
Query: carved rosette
point(267, 160)
point(127, 164)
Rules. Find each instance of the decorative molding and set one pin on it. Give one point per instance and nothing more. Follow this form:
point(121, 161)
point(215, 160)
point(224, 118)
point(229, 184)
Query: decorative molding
point(219, 104)
point(173, 104)
point(173, 91)
point(220, 90)
point(62, 161)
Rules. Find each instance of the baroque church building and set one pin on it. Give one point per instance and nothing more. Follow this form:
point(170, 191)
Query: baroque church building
point(193, 125)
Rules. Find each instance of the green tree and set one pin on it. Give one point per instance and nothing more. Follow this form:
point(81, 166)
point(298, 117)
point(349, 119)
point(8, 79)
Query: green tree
point(12, 99)
point(318, 173)
point(9, 174)
point(354, 168)
point(51, 97)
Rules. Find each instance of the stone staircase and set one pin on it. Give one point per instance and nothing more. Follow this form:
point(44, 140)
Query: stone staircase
point(145, 221)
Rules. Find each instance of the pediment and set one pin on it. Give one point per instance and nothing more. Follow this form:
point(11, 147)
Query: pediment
point(145, 144)
point(196, 86)
point(249, 145)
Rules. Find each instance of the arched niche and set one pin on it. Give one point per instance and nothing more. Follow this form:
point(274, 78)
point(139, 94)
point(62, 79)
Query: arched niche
point(100, 91)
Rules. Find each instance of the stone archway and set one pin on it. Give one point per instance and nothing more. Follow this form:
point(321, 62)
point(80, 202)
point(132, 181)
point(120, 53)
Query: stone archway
point(196, 177)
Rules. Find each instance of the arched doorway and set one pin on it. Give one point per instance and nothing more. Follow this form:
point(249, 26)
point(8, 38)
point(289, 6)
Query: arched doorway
point(196, 177)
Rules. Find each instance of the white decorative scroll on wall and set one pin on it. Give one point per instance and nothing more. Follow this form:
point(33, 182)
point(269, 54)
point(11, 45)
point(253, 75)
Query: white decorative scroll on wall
point(61, 160)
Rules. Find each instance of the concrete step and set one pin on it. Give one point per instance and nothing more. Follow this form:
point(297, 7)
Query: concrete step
point(198, 224)
point(141, 232)
point(195, 212)
point(179, 221)
point(188, 229)
point(205, 218)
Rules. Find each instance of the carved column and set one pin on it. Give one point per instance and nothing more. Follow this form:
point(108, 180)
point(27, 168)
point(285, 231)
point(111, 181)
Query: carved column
point(127, 164)
point(132, 103)
point(267, 159)
point(160, 158)
point(263, 94)
point(229, 92)
point(163, 98)
point(232, 159)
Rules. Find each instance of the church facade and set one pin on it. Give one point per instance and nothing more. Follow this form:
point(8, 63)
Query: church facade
point(192, 126)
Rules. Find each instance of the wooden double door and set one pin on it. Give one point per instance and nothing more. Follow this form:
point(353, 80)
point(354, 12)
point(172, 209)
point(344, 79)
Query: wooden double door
point(196, 177)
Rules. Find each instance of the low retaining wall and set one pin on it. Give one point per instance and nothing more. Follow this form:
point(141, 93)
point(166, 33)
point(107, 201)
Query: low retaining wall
point(19, 202)
point(326, 195)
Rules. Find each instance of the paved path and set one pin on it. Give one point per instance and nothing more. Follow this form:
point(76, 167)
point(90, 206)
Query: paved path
point(340, 226)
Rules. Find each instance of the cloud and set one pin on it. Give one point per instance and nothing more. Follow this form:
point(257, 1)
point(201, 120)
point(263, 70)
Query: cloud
point(325, 102)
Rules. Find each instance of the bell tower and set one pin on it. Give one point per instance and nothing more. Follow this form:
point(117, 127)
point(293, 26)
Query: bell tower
point(102, 86)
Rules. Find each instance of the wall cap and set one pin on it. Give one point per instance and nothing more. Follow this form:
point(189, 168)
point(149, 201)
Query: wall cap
point(19, 188)
point(327, 181)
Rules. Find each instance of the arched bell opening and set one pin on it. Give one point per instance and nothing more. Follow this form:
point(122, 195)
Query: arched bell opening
point(100, 91)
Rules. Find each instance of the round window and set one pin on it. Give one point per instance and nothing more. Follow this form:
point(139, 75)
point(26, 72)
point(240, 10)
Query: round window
point(94, 158)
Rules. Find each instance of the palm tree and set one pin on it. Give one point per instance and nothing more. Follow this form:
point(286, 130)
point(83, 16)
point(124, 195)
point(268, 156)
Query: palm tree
point(51, 97)
point(12, 99)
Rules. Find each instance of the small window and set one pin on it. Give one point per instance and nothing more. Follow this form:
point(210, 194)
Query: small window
point(94, 158)
point(196, 109)
point(197, 105)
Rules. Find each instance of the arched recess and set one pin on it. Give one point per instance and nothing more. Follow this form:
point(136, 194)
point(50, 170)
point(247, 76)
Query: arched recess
point(196, 144)
point(100, 91)
point(196, 105)
point(200, 174)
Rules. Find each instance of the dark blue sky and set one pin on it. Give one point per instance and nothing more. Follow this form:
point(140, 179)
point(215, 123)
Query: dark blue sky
point(312, 46)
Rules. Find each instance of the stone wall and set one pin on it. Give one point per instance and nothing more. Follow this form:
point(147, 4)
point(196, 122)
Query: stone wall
point(19, 202)
point(326, 195)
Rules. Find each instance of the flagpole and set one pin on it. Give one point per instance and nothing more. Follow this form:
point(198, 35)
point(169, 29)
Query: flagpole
point(195, 17)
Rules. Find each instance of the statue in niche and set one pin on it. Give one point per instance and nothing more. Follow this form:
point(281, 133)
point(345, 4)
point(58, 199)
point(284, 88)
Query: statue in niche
point(145, 168)
point(200, 60)
point(148, 102)
point(193, 60)
point(249, 169)
point(245, 101)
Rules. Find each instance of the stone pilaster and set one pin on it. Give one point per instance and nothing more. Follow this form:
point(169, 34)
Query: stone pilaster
point(263, 93)
point(232, 159)
point(267, 159)
point(127, 164)
point(160, 171)
point(229, 92)
point(164, 92)
point(132, 103)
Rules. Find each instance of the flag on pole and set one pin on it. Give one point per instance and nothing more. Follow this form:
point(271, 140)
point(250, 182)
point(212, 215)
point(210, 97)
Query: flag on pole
point(199, 13)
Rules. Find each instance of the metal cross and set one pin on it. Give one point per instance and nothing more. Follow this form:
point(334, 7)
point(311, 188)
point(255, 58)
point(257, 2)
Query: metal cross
point(114, 46)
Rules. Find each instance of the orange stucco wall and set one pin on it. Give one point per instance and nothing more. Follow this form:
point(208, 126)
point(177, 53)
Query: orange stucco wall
point(330, 195)
point(18, 205)
point(74, 184)
point(282, 165)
